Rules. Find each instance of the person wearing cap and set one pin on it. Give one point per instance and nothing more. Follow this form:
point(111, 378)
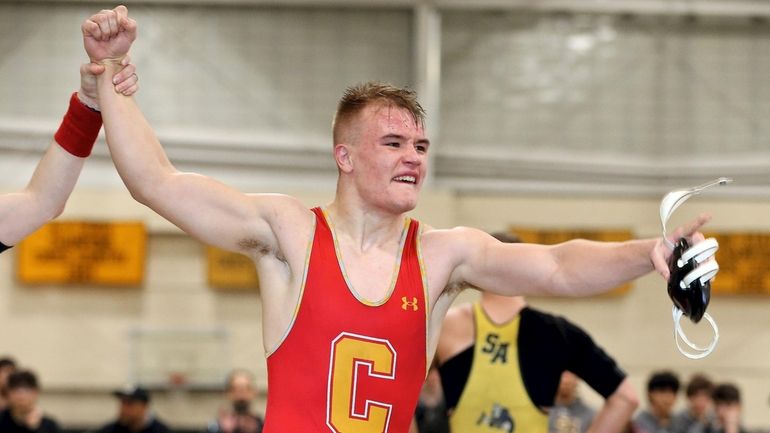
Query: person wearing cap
point(238, 417)
point(23, 414)
point(134, 415)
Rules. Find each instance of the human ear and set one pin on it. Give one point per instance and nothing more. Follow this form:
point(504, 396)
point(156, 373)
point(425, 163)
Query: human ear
point(343, 157)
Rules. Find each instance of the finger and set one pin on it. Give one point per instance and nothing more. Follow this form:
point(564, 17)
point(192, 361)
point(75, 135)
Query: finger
point(130, 81)
point(129, 25)
point(104, 26)
point(121, 14)
point(126, 60)
point(660, 263)
point(112, 22)
point(697, 237)
point(124, 74)
point(91, 68)
point(131, 90)
point(691, 227)
point(90, 28)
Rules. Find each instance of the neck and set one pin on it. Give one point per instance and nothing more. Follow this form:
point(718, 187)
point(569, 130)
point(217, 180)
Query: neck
point(362, 227)
point(663, 417)
point(138, 424)
point(502, 308)
point(20, 415)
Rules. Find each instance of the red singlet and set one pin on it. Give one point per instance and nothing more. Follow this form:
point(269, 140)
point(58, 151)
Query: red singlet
point(348, 365)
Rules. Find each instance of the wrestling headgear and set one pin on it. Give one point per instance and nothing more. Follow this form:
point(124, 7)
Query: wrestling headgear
point(689, 285)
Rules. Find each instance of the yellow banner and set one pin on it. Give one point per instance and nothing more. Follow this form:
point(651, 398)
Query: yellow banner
point(743, 259)
point(231, 271)
point(64, 252)
point(556, 236)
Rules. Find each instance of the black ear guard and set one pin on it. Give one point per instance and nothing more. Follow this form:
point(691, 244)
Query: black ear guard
point(691, 272)
point(689, 285)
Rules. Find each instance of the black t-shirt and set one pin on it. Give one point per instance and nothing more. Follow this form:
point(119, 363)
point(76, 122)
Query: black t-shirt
point(548, 345)
point(154, 426)
point(3, 247)
point(9, 425)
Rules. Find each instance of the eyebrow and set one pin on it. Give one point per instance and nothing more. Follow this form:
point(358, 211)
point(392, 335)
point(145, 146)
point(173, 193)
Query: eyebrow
point(424, 141)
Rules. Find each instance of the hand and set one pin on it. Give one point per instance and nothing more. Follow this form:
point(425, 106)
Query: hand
point(661, 253)
point(227, 421)
point(126, 81)
point(33, 418)
point(108, 34)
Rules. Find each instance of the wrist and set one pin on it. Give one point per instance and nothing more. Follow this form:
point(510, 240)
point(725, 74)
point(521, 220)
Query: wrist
point(79, 128)
point(110, 61)
point(87, 100)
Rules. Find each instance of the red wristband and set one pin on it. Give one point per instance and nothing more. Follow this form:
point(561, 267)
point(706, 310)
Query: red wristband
point(79, 128)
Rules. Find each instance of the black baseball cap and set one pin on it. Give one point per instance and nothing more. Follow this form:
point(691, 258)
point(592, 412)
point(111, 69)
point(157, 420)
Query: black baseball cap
point(132, 392)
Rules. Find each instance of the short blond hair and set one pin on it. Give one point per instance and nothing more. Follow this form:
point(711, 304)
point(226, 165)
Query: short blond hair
point(360, 96)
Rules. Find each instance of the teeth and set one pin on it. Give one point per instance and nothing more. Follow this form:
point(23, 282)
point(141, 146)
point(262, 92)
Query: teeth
point(410, 179)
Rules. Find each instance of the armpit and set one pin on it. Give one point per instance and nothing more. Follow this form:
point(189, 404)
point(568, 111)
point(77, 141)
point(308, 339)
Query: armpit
point(260, 248)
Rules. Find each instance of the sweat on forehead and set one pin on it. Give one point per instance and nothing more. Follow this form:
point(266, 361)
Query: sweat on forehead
point(383, 113)
point(395, 114)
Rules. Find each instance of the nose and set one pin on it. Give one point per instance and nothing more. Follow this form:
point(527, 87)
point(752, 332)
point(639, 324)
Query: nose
point(412, 156)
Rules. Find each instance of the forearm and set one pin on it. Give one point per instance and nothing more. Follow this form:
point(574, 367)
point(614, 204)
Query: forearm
point(587, 267)
point(53, 181)
point(136, 152)
point(617, 411)
point(43, 198)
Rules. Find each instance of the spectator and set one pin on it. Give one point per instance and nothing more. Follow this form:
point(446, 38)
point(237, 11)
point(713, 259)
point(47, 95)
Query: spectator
point(23, 414)
point(238, 417)
point(727, 405)
point(7, 365)
point(662, 389)
point(134, 415)
point(569, 413)
point(431, 412)
point(698, 413)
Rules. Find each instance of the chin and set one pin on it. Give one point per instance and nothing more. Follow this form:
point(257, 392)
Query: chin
point(406, 205)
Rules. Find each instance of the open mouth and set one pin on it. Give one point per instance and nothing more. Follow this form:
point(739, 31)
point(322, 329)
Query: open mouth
point(406, 179)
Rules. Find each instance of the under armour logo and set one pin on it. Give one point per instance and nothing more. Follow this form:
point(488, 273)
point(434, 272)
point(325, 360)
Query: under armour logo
point(406, 303)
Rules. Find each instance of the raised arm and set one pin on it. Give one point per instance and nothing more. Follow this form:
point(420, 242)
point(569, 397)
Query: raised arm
point(45, 195)
point(199, 205)
point(574, 268)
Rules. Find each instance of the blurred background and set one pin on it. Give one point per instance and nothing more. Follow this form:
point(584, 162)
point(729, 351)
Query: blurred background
point(547, 117)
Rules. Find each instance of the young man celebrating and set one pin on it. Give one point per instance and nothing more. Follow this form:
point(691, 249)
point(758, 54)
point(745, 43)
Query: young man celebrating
point(353, 293)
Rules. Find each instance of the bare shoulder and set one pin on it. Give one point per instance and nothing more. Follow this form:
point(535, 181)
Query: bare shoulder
point(278, 209)
point(449, 248)
point(288, 226)
point(450, 240)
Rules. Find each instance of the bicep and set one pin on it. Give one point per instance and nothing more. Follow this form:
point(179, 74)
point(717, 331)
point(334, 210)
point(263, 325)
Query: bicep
point(216, 213)
point(506, 269)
